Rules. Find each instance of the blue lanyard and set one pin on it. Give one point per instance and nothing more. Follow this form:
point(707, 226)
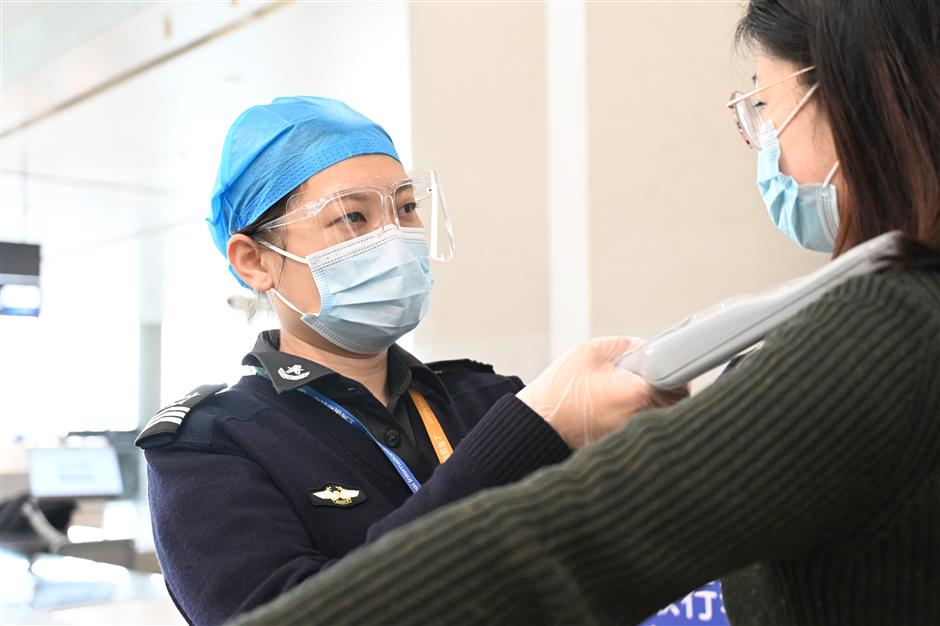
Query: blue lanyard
point(396, 461)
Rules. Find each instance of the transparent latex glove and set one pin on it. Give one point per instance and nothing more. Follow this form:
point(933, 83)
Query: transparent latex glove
point(584, 395)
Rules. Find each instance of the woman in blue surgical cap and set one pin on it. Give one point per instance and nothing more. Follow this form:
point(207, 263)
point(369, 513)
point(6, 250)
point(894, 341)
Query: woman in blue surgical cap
point(341, 435)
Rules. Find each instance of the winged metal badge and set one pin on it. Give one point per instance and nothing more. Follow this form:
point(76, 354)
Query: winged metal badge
point(337, 494)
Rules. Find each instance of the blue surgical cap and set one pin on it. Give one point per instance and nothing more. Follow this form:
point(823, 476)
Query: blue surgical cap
point(272, 148)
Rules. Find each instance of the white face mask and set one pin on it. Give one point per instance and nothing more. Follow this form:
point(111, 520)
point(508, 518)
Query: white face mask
point(373, 289)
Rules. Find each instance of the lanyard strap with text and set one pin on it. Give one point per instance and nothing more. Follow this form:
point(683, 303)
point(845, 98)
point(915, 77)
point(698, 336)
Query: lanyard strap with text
point(439, 441)
point(353, 421)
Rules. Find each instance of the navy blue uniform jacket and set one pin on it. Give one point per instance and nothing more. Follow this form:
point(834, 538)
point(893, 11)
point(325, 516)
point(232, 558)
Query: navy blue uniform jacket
point(233, 489)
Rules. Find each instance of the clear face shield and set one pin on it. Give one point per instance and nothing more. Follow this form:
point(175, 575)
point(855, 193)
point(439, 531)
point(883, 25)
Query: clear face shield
point(414, 205)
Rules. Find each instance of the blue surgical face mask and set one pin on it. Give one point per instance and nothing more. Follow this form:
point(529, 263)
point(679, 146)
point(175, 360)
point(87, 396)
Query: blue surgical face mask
point(373, 289)
point(807, 214)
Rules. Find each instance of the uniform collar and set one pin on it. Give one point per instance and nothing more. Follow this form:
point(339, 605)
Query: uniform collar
point(288, 372)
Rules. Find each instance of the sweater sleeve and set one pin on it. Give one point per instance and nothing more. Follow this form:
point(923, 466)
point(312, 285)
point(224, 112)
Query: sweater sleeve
point(803, 441)
point(508, 444)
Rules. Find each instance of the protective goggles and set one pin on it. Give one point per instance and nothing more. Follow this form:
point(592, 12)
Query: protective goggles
point(348, 211)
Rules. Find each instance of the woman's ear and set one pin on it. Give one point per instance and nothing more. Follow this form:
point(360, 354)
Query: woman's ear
point(248, 262)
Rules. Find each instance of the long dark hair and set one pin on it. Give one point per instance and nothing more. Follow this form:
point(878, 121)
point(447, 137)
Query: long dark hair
point(878, 69)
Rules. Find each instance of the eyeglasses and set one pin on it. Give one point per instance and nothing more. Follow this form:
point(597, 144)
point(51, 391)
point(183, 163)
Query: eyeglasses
point(747, 115)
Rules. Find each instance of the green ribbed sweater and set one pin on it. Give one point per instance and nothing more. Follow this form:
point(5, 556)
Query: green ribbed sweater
point(808, 478)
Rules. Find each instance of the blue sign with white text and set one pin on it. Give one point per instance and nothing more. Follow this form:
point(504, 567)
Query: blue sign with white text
point(702, 606)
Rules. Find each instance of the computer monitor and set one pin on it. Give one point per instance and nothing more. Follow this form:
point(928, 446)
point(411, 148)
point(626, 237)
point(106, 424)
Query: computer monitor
point(56, 473)
point(19, 279)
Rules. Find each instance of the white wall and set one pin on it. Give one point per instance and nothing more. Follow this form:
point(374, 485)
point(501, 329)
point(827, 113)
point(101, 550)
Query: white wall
point(479, 117)
point(674, 219)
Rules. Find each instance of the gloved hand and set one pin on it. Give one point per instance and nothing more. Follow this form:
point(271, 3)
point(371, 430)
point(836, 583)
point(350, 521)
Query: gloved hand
point(584, 395)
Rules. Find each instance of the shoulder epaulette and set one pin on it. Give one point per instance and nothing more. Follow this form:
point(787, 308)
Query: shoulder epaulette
point(162, 427)
point(461, 365)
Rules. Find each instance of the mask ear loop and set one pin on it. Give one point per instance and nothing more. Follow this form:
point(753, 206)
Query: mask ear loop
point(287, 302)
point(285, 253)
point(831, 173)
point(799, 105)
point(292, 257)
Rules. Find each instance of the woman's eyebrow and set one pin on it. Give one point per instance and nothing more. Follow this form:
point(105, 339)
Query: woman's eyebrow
point(357, 196)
